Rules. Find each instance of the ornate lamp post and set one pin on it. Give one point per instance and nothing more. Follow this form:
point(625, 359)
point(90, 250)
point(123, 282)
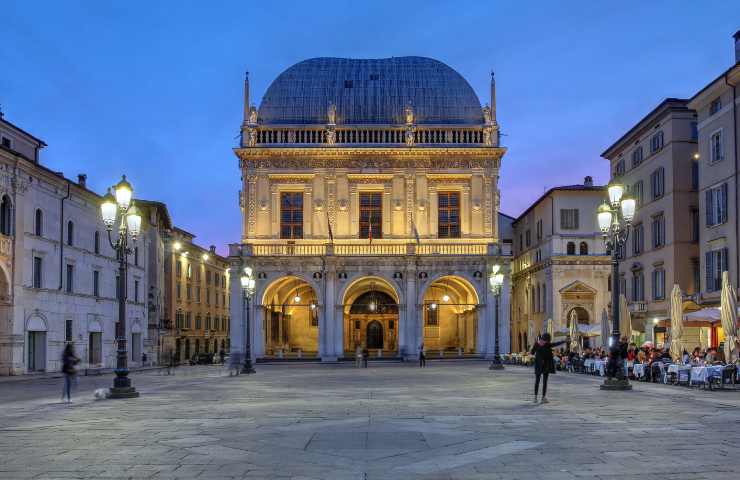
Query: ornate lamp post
point(248, 283)
point(496, 280)
point(615, 220)
point(121, 208)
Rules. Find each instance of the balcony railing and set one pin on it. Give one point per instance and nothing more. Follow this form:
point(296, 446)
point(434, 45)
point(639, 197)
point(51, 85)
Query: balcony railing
point(637, 307)
point(372, 249)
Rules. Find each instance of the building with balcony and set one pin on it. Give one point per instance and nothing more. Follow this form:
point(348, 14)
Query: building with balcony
point(655, 161)
point(560, 264)
point(196, 299)
point(369, 203)
point(58, 274)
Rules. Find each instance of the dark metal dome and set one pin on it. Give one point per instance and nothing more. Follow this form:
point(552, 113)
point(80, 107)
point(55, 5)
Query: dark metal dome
point(370, 91)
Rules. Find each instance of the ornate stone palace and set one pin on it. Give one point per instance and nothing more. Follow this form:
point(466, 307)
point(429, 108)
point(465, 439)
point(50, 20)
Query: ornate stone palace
point(369, 208)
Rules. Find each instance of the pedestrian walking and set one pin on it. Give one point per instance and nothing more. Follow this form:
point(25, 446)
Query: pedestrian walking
point(365, 356)
point(221, 355)
point(544, 363)
point(422, 357)
point(69, 361)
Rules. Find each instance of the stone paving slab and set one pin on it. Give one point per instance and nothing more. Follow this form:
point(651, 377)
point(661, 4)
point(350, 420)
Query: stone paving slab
point(390, 421)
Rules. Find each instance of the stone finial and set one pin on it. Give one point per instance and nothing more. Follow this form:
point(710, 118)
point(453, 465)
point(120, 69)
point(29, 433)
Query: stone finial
point(493, 99)
point(246, 97)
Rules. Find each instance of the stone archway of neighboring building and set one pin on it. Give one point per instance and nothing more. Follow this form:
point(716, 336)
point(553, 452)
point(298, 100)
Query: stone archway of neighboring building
point(291, 318)
point(366, 300)
point(450, 307)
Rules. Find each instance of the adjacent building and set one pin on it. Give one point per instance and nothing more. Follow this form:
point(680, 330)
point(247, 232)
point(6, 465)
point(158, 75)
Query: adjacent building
point(656, 161)
point(196, 299)
point(369, 204)
point(716, 106)
point(58, 273)
point(560, 264)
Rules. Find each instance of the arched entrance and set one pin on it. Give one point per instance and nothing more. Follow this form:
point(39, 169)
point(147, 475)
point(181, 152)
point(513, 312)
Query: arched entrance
point(450, 316)
point(371, 317)
point(291, 319)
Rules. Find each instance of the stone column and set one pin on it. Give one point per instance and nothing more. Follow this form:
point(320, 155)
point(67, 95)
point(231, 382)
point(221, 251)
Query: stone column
point(465, 211)
point(411, 324)
point(328, 329)
point(275, 211)
point(308, 212)
point(258, 329)
point(505, 311)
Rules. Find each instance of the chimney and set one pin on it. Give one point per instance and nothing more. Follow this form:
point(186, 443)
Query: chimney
point(737, 46)
point(82, 180)
point(213, 249)
point(588, 181)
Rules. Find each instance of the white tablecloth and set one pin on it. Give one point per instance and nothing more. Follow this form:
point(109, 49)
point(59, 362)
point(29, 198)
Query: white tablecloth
point(600, 366)
point(681, 371)
point(703, 374)
point(639, 370)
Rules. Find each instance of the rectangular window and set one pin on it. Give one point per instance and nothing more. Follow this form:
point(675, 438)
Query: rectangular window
point(619, 168)
point(291, 215)
point(208, 277)
point(569, 218)
point(716, 203)
point(658, 231)
point(38, 265)
point(539, 230)
point(70, 278)
point(658, 284)
point(432, 310)
point(198, 323)
point(657, 183)
point(136, 256)
point(189, 292)
point(448, 214)
point(716, 148)
point(638, 287)
point(694, 131)
point(715, 106)
point(637, 156)
point(656, 142)
point(136, 291)
point(178, 290)
point(528, 238)
point(96, 241)
point(96, 283)
point(7, 143)
point(197, 294)
point(188, 320)
point(694, 212)
point(696, 274)
point(694, 175)
point(208, 296)
point(371, 214)
point(638, 239)
point(637, 193)
point(190, 270)
point(716, 263)
point(178, 268)
point(68, 330)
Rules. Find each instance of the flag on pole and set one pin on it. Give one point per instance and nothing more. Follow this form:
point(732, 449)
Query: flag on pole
point(416, 232)
point(328, 224)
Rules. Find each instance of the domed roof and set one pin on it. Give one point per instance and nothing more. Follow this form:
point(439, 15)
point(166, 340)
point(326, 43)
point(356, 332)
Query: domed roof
point(370, 91)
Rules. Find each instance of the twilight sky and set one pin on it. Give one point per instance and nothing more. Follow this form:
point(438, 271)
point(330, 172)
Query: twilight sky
point(154, 89)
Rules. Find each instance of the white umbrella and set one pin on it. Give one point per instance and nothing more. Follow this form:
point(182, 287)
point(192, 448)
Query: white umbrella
point(550, 328)
point(728, 309)
point(574, 345)
point(625, 319)
point(676, 323)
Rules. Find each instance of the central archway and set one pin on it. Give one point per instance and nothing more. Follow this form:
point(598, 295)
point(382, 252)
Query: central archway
point(291, 319)
point(371, 317)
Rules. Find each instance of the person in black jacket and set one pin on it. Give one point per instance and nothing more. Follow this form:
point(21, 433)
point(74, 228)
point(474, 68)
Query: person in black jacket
point(544, 364)
point(69, 361)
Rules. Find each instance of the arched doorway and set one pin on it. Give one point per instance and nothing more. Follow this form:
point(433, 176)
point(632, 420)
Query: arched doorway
point(371, 317)
point(291, 319)
point(450, 316)
point(375, 335)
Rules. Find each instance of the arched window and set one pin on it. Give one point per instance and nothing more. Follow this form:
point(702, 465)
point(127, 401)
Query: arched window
point(97, 242)
point(571, 248)
point(38, 225)
point(583, 249)
point(70, 233)
point(6, 216)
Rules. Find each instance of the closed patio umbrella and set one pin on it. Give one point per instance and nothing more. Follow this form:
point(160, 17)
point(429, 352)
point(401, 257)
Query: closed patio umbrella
point(574, 345)
point(530, 334)
point(625, 319)
point(550, 328)
point(676, 323)
point(604, 328)
point(727, 308)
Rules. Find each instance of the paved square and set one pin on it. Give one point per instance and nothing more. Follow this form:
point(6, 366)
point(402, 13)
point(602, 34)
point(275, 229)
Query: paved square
point(454, 420)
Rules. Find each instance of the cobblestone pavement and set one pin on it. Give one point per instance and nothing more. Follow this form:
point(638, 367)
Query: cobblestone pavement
point(390, 421)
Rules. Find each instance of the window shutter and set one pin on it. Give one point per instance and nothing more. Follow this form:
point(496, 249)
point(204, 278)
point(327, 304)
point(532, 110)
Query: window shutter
point(709, 272)
point(723, 217)
point(575, 217)
point(708, 201)
point(724, 260)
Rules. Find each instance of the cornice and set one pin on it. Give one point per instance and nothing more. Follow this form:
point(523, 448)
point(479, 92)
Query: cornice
point(333, 152)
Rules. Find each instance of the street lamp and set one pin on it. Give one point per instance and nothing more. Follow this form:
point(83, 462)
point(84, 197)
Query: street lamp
point(120, 207)
point(248, 283)
point(496, 281)
point(615, 220)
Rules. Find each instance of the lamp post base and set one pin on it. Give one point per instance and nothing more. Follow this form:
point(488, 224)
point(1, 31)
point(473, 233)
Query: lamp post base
point(496, 363)
point(615, 384)
point(248, 368)
point(123, 392)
